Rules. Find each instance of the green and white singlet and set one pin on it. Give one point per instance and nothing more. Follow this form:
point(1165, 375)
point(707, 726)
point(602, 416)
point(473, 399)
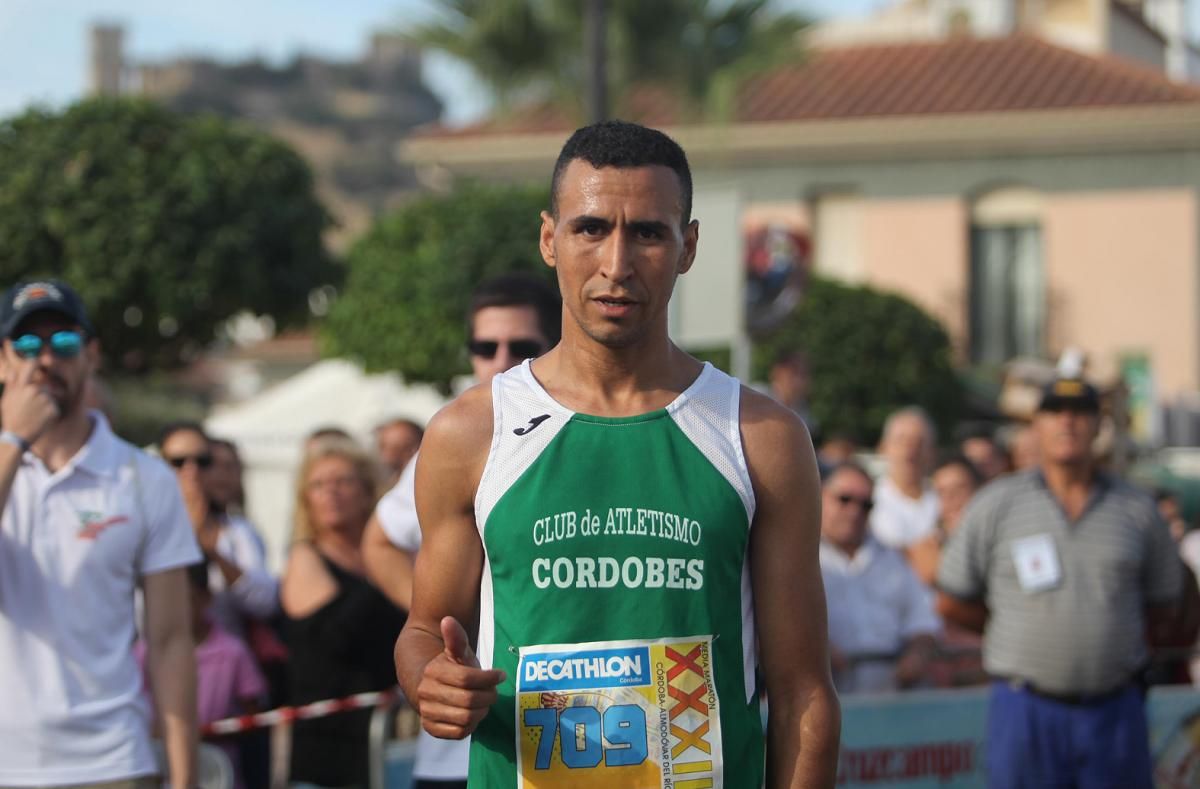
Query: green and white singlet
point(616, 594)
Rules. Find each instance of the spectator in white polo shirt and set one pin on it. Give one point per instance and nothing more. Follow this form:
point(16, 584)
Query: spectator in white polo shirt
point(882, 628)
point(87, 519)
point(906, 508)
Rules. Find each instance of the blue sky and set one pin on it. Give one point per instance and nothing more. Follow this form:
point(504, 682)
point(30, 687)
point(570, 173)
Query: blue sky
point(43, 43)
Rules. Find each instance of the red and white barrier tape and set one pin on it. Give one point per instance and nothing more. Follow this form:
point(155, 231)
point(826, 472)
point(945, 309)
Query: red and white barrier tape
point(317, 709)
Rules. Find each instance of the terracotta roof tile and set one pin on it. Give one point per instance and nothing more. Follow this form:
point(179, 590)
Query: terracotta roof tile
point(945, 77)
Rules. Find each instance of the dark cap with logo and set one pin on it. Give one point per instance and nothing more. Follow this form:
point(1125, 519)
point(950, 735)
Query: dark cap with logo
point(24, 299)
point(1070, 394)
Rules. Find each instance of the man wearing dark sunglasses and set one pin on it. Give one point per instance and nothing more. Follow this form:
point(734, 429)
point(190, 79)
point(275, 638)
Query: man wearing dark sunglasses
point(243, 590)
point(511, 318)
point(87, 519)
point(882, 626)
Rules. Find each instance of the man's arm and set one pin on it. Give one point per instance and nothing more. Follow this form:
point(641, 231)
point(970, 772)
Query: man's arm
point(804, 722)
point(913, 664)
point(969, 614)
point(388, 567)
point(26, 410)
point(172, 668)
point(434, 661)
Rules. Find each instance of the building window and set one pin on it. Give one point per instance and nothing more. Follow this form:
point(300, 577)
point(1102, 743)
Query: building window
point(1008, 290)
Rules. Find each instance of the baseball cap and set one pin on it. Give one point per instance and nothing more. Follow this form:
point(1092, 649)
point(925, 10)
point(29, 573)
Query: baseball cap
point(24, 299)
point(1070, 394)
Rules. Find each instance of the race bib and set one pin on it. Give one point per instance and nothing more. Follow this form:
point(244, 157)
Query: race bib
point(637, 714)
point(1036, 560)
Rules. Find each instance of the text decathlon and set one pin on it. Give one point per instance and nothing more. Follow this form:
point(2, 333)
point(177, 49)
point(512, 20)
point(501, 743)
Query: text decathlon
point(591, 669)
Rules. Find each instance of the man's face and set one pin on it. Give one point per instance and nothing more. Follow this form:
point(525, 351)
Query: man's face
point(954, 487)
point(1065, 436)
point(845, 505)
point(617, 245)
point(503, 326)
point(908, 443)
point(224, 476)
point(397, 443)
point(790, 381)
point(985, 455)
point(64, 378)
point(190, 455)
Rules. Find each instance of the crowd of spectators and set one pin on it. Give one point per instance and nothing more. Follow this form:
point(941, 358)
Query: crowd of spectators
point(884, 539)
point(939, 572)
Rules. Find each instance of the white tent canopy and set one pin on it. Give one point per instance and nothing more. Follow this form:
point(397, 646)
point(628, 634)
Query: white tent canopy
point(269, 430)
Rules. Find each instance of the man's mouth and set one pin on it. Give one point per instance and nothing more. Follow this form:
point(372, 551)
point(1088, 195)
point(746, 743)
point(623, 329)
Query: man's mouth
point(615, 306)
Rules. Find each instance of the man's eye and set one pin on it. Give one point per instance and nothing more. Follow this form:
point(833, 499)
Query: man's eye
point(649, 234)
point(591, 229)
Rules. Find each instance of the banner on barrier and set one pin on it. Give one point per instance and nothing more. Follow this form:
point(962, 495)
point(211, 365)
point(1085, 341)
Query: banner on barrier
point(938, 739)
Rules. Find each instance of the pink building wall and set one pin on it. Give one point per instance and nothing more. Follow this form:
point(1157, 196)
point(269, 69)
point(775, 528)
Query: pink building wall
point(919, 248)
point(1121, 269)
point(1121, 273)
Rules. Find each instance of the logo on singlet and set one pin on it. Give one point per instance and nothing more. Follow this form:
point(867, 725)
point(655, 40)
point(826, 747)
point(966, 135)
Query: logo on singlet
point(537, 420)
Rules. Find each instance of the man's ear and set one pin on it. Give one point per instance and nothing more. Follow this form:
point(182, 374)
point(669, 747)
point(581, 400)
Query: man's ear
point(546, 239)
point(691, 237)
point(92, 351)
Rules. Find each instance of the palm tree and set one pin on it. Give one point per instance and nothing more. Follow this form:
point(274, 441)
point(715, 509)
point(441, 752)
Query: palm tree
point(697, 50)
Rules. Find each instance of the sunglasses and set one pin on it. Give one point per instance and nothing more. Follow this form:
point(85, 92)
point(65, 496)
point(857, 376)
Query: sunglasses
point(201, 461)
point(846, 498)
point(63, 344)
point(521, 349)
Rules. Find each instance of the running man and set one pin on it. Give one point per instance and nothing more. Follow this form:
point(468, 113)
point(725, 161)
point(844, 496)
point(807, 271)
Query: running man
point(628, 531)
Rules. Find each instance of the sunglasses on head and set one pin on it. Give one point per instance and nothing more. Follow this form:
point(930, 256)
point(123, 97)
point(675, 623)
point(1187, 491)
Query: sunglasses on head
point(201, 461)
point(63, 344)
point(846, 498)
point(521, 349)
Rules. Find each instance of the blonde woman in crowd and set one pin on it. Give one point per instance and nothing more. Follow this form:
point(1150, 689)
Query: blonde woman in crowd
point(339, 627)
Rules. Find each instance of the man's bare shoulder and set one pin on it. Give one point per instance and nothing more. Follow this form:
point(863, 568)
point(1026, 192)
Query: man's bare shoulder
point(463, 428)
point(768, 427)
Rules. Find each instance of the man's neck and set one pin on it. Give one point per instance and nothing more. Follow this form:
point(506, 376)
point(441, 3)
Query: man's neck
point(592, 378)
point(847, 549)
point(1071, 483)
point(63, 439)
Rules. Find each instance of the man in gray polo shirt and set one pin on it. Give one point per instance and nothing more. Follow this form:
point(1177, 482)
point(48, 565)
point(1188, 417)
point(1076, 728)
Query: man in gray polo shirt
point(1061, 567)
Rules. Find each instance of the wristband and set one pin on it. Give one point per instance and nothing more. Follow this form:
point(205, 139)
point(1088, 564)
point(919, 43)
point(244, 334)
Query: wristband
point(9, 437)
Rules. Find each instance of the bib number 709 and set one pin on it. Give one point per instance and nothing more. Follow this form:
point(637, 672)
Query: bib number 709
point(579, 730)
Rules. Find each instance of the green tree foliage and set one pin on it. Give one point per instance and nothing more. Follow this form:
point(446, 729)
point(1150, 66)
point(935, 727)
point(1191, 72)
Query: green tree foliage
point(699, 50)
point(166, 224)
point(410, 278)
point(869, 354)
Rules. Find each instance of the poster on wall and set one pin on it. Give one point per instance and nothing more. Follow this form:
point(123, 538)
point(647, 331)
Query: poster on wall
point(777, 263)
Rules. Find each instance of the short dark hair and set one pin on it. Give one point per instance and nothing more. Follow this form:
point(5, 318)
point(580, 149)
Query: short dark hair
point(519, 289)
point(624, 145)
point(181, 426)
point(406, 422)
point(847, 465)
point(328, 431)
point(227, 444)
point(964, 462)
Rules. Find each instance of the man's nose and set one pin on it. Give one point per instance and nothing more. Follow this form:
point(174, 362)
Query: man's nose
point(618, 257)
